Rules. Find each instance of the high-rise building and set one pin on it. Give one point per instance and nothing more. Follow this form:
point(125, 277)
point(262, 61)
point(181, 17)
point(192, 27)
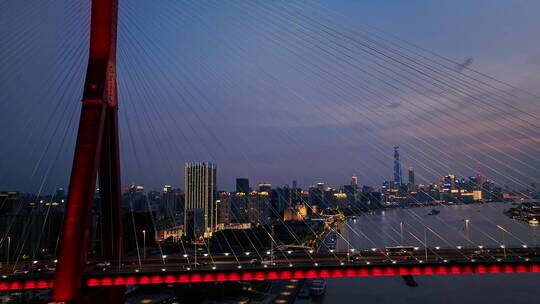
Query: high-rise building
point(411, 176)
point(242, 185)
point(316, 195)
point(258, 207)
point(296, 194)
point(265, 187)
point(352, 193)
point(239, 207)
point(412, 184)
point(354, 180)
point(200, 198)
point(155, 201)
point(397, 168)
point(135, 199)
point(169, 201)
point(224, 208)
point(282, 197)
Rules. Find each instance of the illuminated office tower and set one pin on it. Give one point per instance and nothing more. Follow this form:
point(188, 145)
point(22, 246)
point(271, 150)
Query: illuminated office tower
point(200, 198)
point(258, 207)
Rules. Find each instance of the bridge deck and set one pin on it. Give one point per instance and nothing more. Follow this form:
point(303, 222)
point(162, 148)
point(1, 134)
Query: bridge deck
point(295, 266)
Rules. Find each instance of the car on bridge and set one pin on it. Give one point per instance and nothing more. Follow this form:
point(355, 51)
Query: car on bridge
point(101, 265)
point(400, 250)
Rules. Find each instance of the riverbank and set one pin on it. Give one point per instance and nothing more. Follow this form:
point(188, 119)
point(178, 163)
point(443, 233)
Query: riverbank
point(528, 212)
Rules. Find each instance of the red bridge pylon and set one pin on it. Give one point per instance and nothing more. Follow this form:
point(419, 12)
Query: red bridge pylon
point(96, 152)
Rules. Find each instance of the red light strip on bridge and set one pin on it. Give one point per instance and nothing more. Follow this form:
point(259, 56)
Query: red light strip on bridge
point(319, 272)
point(25, 284)
point(280, 274)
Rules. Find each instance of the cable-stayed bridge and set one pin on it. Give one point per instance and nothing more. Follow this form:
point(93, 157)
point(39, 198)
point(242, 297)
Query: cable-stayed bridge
point(222, 268)
point(73, 277)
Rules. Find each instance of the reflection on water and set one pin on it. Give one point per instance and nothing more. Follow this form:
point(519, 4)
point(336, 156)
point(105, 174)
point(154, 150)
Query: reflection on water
point(461, 225)
point(449, 228)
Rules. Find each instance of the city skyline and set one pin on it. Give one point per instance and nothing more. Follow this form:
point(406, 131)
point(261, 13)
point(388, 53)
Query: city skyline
point(254, 185)
point(231, 183)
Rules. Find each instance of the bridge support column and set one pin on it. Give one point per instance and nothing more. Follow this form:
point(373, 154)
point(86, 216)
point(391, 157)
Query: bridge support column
point(109, 185)
point(96, 151)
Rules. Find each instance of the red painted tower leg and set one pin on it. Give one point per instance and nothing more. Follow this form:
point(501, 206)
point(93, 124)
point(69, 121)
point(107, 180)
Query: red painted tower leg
point(76, 233)
point(96, 148)
point(112, 245)
point(109, 186)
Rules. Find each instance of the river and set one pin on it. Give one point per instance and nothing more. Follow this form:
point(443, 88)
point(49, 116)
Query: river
point(460, 225)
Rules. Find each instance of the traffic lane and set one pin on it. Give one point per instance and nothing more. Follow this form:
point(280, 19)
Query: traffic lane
point(279, 264)
point(297, 257)
point(419, 254)
point(299, 260)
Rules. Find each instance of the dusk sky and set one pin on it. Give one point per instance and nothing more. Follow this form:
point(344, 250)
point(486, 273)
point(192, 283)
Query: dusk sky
point(278, 91)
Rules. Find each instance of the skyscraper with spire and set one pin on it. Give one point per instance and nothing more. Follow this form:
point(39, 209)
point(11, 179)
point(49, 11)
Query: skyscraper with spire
point(397, 168)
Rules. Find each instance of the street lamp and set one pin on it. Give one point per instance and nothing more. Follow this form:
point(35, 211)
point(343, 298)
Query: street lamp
point(503, 240)
point(144, 244)
point(271, 252)
point(467, 221)
point(401, 232)
point(425, 244)
point(535, 241)
point(8, 248)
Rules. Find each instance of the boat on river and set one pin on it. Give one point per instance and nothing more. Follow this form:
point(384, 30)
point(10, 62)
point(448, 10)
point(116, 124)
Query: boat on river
point(434, 212)
point(318, 287)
